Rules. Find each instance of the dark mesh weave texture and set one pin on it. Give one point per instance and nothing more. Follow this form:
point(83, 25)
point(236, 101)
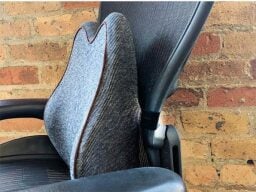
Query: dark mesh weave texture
point(24, 174)
point(157, 28)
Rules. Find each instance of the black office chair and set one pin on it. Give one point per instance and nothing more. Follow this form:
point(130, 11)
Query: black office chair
point(102, 118)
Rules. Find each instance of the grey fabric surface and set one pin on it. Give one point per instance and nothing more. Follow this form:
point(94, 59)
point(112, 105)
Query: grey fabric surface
point(90, 28)
point(92, 117)
point(24, 174)
point(68, 107)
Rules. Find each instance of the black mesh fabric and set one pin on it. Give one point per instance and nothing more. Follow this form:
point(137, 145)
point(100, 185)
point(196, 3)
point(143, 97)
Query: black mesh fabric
point(23, 174)
point(157, 28)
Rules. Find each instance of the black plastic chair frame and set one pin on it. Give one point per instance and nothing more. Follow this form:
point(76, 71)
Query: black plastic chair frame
point(20, 108)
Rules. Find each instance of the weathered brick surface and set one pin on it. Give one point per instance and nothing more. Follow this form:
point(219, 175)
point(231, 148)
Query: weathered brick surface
point(239, 45)
point(193, 190)
point(207, 43)
point(2, 52)
point(18, 75)
point(232, 97)
point(243, 175)
point(231, 190)
point(230, 13)
point(213, 122)
point(213, 109)
point(167, 118)
point(253, 68)
point(195, 149)
point(62, 24)
point(52, 74)
point(11, 29)
point(21, 8)
point(80, 5)
point(43, 51)
point(21, 125)
point(25, 93)
point(204, 175)
point(242, 148)
point(185, 97)
point(213, 72)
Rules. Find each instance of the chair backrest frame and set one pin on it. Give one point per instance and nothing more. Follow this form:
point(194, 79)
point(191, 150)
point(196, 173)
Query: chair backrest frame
point(165, 79)
point(165, 83)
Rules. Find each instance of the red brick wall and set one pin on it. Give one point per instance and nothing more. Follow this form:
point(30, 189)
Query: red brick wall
point(214, 108)
point(35, 41)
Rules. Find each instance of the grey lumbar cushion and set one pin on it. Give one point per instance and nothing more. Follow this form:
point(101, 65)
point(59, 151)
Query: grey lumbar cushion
point(92, 116)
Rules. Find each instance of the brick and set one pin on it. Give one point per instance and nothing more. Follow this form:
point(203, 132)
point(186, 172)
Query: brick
point(217, 71)
point(18, 75)
point(185, 97)
point(193, 190)
point(79, 5)
point(231, 97)
point(25, 93)
point(52, 74)
point(43, 51)
point(195, 149)
point(213, 122)
point(53, 25)
point(96, 11)
point(21, 8)
point(194, 73)
point(230, 13)
point(167, 119)
point(243, 175)
point(253, 68)
point(21, 125)
point(204, 175)
point(17, 28)
point(2, 52)
point(239, 44)
point(206, 44)
point(214, 71)
point(230, 190)
point(242, 148)
point(62, 24)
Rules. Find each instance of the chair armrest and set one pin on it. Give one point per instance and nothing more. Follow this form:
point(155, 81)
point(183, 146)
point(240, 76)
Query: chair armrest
point(32, 147)
point(150, 179)
point(18, 108)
